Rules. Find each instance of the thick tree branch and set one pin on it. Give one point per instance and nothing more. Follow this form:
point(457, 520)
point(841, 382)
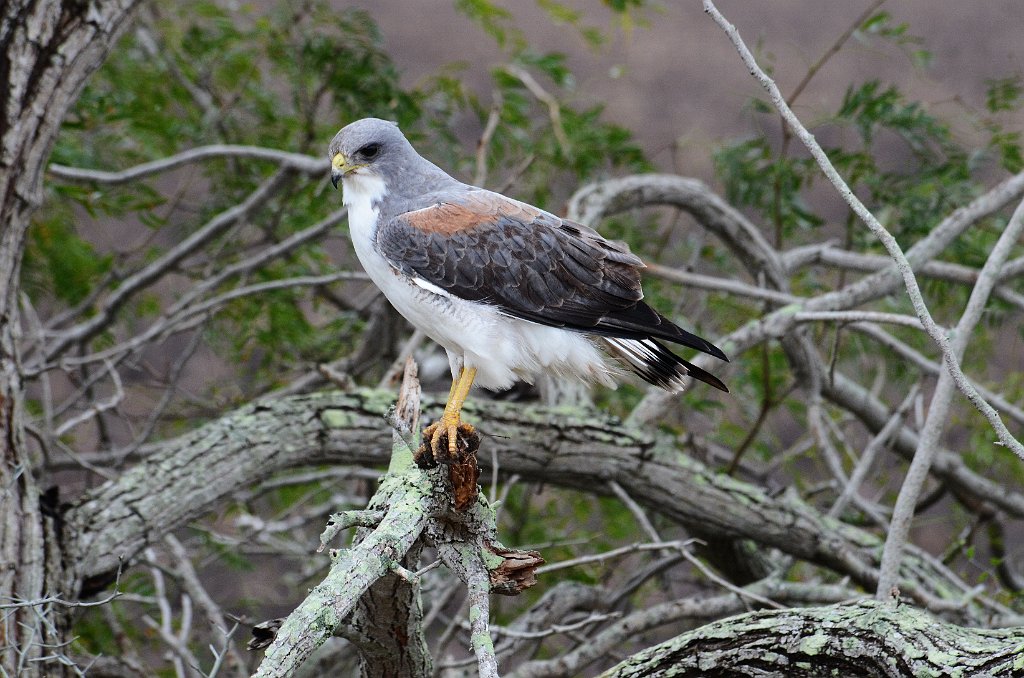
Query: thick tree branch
point(179, 480)
point(867, 638)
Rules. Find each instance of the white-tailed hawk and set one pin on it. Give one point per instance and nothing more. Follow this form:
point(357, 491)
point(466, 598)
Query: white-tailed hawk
point(510, 291)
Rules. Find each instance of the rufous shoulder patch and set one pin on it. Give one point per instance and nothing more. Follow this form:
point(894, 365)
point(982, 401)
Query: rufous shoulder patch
point(447, 218)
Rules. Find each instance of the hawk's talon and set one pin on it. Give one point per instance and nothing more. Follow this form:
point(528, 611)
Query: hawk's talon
point(446, 442)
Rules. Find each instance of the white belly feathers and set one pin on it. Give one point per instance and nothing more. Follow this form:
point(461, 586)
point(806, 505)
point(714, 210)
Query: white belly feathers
point(502, 348)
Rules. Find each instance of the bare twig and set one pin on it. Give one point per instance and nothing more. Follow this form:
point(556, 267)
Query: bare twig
point(832, 50)
point(615, 553)
point(484, 143)
point(302, 163)
point(636, 510)
point(867, 457)
point(903, 512)
point(884, 236)
point(542, 95)
point(858, 316)
point(715, 284)
point(96, 408)
point(57, 600)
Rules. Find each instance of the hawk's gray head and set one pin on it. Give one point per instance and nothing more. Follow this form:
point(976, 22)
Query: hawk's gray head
point(369, 146)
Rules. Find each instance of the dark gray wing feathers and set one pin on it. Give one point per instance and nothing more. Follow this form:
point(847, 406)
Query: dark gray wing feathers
point(530, 264)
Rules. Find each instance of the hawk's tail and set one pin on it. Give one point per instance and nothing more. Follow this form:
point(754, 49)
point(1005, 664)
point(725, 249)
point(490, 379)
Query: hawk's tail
point(658, 365)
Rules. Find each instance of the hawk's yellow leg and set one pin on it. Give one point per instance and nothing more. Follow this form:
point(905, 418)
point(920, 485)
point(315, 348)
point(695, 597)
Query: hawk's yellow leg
point(451, 420)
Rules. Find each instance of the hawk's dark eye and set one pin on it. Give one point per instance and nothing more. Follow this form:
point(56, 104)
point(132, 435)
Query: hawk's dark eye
point(369, 151)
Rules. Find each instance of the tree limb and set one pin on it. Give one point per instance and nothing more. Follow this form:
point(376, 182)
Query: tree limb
point(180, 479)
point(866, 638)
point(297, 161)
point(928, 443)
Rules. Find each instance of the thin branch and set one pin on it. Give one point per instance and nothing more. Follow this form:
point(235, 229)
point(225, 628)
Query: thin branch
point(884, 236)
point(716, 284)
point(189, 316)
point(928, 443)
point(615, 553)
point(743, 593)
point(859, 316)
point(542, 95)
point(144, 277)
point(832, 50)
point(829, 255)
point(933, 368)
point(554, 629)
point(295, 161)
point(97, 407)
point(484, 143)
point(816, 418)
point(57, 600)
point(636, 510)
point(867, 457)
point(408, 349)
point(259, 259)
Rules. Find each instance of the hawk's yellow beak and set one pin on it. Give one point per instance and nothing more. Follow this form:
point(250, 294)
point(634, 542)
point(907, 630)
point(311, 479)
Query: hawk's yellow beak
point(340, 166)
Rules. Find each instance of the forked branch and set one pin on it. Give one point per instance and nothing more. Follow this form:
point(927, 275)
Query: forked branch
point(416, 504)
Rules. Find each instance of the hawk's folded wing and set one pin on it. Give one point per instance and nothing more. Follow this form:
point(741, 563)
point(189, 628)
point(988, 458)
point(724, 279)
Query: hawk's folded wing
point(481, 246)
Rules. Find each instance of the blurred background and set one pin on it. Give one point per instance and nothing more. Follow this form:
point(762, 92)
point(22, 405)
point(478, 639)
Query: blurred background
point(161, 299)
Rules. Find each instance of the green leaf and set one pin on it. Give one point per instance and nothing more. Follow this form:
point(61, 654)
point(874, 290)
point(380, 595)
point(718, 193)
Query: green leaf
point(59, 260)
point(1003, 94)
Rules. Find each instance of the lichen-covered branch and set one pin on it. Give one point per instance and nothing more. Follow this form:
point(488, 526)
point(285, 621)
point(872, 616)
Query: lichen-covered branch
point(181, 479)
point(867, 638)
point(417, 503)
point(352, 573)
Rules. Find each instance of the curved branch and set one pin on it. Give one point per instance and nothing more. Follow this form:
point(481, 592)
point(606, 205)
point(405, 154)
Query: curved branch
point(296, 161)
point(593, 202)
point(181, 479)
point(867, 638)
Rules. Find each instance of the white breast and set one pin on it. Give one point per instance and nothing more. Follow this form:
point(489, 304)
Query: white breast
point(502, 348)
